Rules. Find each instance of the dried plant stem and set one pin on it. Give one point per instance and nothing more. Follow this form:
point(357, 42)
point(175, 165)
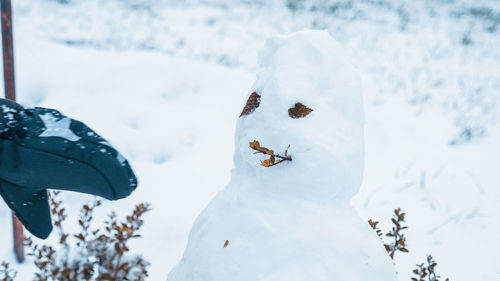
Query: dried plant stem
point(255, 145)
point(284, 158)
point(399, 243)
point(100, 254)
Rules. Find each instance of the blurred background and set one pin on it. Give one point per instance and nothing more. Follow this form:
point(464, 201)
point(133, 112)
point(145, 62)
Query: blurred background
point(165, 81)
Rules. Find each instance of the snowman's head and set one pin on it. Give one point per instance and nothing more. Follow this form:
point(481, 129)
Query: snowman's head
point(307, 96)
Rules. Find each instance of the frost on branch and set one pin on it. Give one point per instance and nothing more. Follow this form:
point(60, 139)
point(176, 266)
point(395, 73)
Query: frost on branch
point(255, 145)
point(427, 272)
point(6, 273)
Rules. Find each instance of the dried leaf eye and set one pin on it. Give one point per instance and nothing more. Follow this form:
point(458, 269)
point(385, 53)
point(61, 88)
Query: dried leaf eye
point(252, 103)
point(299, 111)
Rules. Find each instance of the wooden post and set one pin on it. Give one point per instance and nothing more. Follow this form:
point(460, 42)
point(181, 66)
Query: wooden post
point(10, 93)
point(17, 228)
point(8, 51)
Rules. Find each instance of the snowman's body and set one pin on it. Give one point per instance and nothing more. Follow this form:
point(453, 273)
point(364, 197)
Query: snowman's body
point(292, 221)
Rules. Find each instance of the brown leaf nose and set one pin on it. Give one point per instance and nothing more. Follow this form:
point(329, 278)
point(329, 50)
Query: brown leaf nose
point(252, 103)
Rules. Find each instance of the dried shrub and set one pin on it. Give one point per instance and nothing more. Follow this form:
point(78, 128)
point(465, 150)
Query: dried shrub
point(398, 243)
point(399, 240)
point(255, 145)
point(427, 272)
point(6, 273)
point(97, 254)
point(58, 216)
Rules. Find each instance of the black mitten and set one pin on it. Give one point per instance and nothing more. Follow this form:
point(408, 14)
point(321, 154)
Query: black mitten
point(41, 148)
point(31, 207)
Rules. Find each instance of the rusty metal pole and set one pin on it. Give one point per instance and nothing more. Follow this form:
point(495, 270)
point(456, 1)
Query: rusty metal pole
point(10, 93)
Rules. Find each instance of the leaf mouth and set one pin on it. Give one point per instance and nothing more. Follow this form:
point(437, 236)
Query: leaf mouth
point(274, 159)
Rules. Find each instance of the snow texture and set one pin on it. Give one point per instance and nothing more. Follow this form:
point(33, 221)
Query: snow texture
point(55, 127)
point(293, 221)
point(7, 119)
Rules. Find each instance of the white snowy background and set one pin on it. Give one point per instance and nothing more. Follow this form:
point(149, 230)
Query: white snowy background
point(164, 81)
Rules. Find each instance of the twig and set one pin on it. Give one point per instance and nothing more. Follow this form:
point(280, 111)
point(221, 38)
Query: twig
point(255, 145)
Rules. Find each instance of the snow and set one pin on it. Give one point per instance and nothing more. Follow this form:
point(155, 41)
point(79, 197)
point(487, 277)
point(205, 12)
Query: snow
point(7, 117)
point(293, 221)
point(55, 127)
point(165, 81)
point(331, 135)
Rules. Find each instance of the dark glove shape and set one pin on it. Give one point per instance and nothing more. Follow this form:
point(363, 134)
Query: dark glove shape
point(41, 148)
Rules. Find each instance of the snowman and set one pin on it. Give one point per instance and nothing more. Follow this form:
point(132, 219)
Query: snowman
point(299, 149)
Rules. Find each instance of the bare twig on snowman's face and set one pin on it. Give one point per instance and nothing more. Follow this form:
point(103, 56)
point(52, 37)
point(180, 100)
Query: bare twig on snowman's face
point(255, 145)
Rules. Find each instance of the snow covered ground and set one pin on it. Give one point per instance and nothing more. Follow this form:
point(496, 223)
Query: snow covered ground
point(165, 80)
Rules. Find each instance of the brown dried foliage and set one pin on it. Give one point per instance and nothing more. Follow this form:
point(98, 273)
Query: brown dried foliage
point(101, 254)
point(255, 145)
point(374, 226)
point(399, 240)
point(299, 111)
point(426, 272)
point(252, 103)
point(423, 272)
point(58, 216)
